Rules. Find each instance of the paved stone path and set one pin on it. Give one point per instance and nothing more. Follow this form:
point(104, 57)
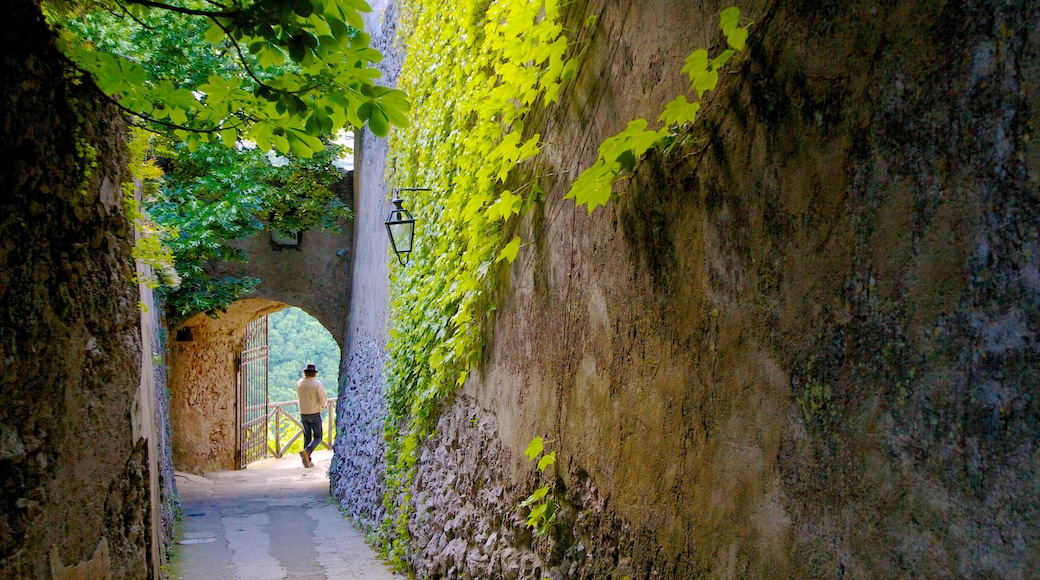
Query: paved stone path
point(273, 520)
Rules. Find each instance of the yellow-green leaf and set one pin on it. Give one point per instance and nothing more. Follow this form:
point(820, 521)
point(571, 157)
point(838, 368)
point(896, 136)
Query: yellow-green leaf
point(534, 448)
point(508, 205)
point(177, 116)
point(536, 513)
point(546, 461)
point(705, 82)
point(510, 251)
point(696, 64)
point(721, 60)
point(229, 137)
point(738, 38)
point(536, 496)
point(280, 143)
point(270, 56)
point(529, 148)
point(378, 122)
point(592, 188)
point(214, 34)
point(679, 112)
point(729, 19)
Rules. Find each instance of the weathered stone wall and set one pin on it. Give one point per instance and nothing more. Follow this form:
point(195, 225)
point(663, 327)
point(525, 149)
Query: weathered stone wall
point(803, 344)
point(357, 468)
point(75, 499)
point(313, 276)
point(152, 414)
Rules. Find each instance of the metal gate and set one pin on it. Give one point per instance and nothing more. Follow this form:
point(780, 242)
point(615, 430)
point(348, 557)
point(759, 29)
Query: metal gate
point(252, 394)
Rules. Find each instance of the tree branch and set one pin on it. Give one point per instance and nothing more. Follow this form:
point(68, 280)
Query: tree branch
point(189, 11)
point(241, 56)
point(170, 124)
point(132, 17)
point(249, 71)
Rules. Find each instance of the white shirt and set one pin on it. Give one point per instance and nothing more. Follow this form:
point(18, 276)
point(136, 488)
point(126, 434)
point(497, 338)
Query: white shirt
point(312, 395)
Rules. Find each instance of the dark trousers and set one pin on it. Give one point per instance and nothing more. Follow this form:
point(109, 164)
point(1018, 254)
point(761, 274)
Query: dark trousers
point(311, 431)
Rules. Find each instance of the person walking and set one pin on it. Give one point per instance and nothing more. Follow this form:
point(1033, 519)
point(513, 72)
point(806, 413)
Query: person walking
point(312, 397)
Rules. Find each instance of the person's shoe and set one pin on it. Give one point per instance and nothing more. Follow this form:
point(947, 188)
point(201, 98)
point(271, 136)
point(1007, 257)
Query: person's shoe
point(308, 455)
point(306, 460)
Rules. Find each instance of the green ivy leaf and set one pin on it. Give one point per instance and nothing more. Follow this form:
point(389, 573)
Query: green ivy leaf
point(679, 111)
point(705, 82)
point(592, 187)
point(696, 64)
point(546, 461)
point(507, 206)
point(569, 70)
point(529, 148)
point(536, 514)
point(510, 251)
point(721, 60)
point(729, 19)
point(626, 161)
point(538, 494)
point(534, 448)
point(738, 38)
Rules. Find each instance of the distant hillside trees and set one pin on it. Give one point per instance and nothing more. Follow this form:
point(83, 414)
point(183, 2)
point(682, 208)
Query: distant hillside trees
point(295, 340)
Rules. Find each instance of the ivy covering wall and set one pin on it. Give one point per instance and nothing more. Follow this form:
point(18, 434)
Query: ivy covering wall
point(474, 71)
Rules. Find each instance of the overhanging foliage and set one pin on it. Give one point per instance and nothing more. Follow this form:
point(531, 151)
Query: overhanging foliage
point(223, 86)
point(280, 73)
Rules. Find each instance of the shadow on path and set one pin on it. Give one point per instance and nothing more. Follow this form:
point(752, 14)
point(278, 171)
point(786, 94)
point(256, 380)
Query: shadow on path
point(273, 520)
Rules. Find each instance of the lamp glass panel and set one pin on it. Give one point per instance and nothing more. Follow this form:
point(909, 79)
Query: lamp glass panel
point(402, 233)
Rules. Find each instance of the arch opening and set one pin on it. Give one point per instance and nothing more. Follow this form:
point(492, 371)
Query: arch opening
point(205, 370)
point(297, 339)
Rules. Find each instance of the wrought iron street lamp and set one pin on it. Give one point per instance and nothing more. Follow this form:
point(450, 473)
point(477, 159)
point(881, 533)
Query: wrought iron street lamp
point(400, 226)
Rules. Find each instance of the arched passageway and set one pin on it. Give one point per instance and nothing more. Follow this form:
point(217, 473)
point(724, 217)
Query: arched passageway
point(205, 367)
point(313, 273)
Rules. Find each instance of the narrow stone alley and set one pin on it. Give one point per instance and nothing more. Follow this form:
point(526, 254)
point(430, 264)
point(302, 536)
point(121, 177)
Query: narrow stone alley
point(273, 520)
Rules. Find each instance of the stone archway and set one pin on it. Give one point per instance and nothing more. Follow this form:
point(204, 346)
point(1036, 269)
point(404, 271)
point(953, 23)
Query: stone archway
point(203, 382)
point(202, 385)
point(313, 273)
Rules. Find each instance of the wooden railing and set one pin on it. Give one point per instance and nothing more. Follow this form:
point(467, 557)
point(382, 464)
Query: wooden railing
point(277, 416)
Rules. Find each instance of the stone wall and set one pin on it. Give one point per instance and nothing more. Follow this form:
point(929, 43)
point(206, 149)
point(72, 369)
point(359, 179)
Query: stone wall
point(802, 344)
point(313, 276)
point(358, 465)
point(153, 409)
point(75, 472)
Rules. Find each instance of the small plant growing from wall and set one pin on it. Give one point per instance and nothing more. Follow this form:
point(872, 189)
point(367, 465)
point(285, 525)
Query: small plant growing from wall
point(542, 503)
point(619, 154)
